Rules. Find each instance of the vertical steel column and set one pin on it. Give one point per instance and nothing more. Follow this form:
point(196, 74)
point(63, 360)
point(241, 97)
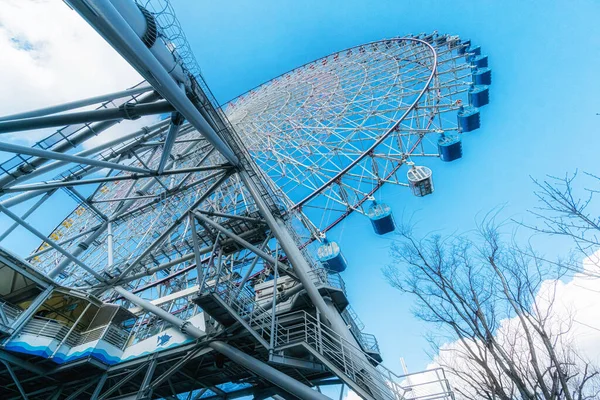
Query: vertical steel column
point(145, 391)
point(274, 305)
point(200, 274)
point(109, 244)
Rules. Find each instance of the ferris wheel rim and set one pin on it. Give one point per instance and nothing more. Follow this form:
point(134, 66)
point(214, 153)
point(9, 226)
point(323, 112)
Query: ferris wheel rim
point(298, 205)
point(383, 137)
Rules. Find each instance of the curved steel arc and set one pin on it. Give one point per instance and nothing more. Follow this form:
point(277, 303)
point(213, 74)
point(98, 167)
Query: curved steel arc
point(335, 178)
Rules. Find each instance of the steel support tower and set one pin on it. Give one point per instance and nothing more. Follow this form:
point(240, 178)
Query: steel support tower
point(183, 266)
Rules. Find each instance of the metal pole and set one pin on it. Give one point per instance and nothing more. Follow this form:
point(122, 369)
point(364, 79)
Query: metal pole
point(184, 326)
point(236, 238)
point(109, 244)
point(27, 214)
point(71, 330)
point(269, 373)
point(300, 266)
point(32, 151)
point(81, 247)
point(68, 183)
point(79, 103)
point(99, 387)
point(197, 249)
point(258, 367)
point(75, 140)
point(70, 257)
point(130, 111)
point(15, 379)
point(251, 268)
point(176, 121)
point(107, 21)
point(147, 133)
point(273, 305)
point(24, 317)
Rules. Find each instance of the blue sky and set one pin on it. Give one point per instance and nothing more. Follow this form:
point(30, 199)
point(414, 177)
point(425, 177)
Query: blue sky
point(541, 120)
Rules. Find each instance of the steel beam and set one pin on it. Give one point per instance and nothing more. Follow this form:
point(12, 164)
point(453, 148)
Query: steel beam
point(299, 264)
point(184, 326)
point(82, 389)
point(75, 140)
point(107, 21)
point(26, 214)
point(79, 103)
point(262, 254)
point(26, 365)
point(142, 135)
point(258, 367)
point(15, 380)
point(121, 382)
point(174, 368)
point(45, 186)
point(145, 389)
point(176, 121)
point(130, 111)
point(47, 154)
point(99, 386)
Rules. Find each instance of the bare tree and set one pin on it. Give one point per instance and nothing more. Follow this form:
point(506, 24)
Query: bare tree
point(496, 302)
point(571, 211)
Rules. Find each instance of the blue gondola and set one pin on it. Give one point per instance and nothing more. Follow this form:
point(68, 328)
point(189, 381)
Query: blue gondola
point(419, 180)
point(330, 256)
point(473, 52)
point(381, 218)
point(464, 47)
point(468, 119)
point(450, 147)
point(479, 95)
point(482, 76)
point(479, 61)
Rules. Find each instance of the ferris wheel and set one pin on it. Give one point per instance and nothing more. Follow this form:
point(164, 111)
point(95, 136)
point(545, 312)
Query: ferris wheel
point(325, 136)
point(333, 131)
point(209, 217)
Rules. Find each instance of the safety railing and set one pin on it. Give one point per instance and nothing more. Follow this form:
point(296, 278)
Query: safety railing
point(8, 313)
point(320, 275)
point(369, 342)
point(110, 333)
point(243, 302)
point(379, 382)
point(46, 327)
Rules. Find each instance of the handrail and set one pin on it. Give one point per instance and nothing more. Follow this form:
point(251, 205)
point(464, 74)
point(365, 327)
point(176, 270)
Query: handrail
point(301, 327)
point(354, 363)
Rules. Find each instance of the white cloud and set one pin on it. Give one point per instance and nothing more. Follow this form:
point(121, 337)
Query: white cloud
point(576, 303)
point(50, 55)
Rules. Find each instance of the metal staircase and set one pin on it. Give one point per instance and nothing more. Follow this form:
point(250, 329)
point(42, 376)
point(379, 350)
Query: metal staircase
point(303, 341)
point(228, 303)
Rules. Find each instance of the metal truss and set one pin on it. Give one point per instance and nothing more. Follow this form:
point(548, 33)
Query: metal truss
point(188, 214)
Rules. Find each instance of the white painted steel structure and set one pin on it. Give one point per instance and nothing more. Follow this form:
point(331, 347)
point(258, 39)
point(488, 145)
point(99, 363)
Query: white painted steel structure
point(180, 221)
